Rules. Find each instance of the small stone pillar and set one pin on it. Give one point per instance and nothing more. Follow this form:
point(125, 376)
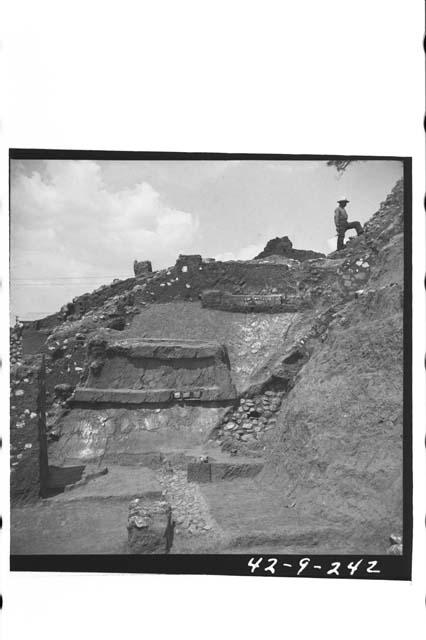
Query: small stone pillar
point(150, 527)
point(142, 268)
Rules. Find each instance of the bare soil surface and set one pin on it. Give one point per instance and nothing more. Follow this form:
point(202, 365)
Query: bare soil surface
point(251, 339)
point(253, 518)
point(92, 519)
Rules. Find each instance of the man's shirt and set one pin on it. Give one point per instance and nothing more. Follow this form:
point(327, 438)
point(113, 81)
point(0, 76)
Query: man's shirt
point(340, 217)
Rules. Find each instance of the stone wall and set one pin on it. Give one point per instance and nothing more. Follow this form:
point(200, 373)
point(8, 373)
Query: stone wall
point(81, 304)
point(134, 371)
point(249, 303)
point(243, 428)
point(191, 275)
point(25, 450)
point(15, 341)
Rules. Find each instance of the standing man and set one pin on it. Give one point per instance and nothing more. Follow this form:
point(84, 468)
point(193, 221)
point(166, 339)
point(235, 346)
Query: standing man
point(342, 224)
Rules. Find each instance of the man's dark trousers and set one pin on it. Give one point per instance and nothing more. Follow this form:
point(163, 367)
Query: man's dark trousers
point(342, 230)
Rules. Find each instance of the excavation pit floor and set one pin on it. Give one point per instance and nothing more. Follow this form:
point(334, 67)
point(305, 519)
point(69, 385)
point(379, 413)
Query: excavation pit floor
point(230, 516)
point(91, 519)
point(253, 518)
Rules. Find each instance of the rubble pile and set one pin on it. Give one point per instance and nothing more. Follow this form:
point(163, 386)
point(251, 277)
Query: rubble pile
point(23, 405)
point(396, 548)
point(389, 213)
point(115, 313)
point(244, 428)
point(15, 337)
point(339, 436)
point(284, 247)
point(190, 511)
point(387, 222)
point(24, 446)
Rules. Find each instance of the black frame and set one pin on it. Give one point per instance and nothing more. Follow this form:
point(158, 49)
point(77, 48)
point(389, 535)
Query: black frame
point(389, 567)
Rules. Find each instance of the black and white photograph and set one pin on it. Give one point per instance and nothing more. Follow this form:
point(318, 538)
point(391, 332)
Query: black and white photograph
point(216, 364)
point(212, 330)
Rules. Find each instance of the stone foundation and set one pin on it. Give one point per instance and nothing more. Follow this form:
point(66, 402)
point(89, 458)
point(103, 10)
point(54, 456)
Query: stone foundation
point(134, 371)
point(149, 527)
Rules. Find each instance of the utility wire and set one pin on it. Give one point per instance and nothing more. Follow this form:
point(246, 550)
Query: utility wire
point(46, 284)
point(68, 278)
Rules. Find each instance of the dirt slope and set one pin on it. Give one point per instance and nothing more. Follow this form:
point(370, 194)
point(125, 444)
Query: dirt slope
point(338, 442)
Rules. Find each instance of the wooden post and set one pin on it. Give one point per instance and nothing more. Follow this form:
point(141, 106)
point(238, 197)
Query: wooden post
point(42, 437)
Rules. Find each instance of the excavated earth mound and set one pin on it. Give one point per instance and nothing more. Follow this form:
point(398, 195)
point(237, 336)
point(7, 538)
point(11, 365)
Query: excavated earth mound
point(313, 394)
point(338, 442)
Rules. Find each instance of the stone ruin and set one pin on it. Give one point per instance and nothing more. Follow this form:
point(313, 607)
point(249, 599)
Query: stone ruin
point(284, 247)
point(249, 303)
point(150, 527)
point(185, 262)
point(136, 371)
point(142, 268)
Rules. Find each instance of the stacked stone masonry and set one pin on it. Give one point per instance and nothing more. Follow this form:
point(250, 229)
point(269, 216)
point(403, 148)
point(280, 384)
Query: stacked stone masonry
point(245, 426)
point(272, 303)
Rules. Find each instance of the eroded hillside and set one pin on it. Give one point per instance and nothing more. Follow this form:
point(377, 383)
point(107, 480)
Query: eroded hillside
point(338, 441)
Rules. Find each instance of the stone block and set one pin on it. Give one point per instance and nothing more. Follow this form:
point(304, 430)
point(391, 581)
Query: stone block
point(199, 472)
point(138, 371)
point(211, 298)
point(118, 323)
point(149, 527)
point(191, 261)
point(230, 470)
point(142, 267)
point(63, 390)
point(266, 303)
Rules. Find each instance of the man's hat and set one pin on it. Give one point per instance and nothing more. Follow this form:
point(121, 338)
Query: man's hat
point(343, 200)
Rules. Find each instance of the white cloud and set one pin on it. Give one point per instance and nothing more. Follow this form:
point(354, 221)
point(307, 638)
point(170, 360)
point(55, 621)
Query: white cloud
point(65, 221)
point(245, 253)
point(331, 243)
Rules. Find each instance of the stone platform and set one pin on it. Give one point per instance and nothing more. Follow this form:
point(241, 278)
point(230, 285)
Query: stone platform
point(133, 371)
point(150, 396)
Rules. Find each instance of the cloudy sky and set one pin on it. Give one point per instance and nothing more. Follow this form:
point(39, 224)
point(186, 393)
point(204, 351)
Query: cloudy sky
point(78, 224)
